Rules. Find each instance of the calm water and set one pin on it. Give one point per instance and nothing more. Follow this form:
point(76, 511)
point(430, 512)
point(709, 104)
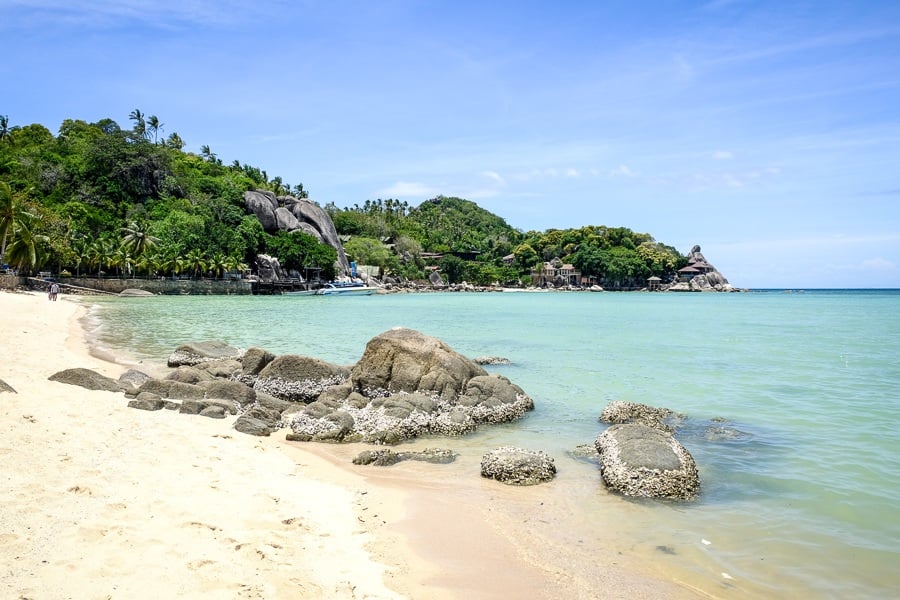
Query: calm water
point(802, 504)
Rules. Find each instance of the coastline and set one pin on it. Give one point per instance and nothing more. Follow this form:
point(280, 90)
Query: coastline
point(103, 499)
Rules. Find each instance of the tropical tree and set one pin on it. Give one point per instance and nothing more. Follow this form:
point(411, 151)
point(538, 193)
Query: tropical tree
point(218, 264)
point(174, 141)
point(137, 239)
point(195, 262)
point(27, 251)
point(14, 212)
point(154, 126)
point(5, 130)
point(140, 125)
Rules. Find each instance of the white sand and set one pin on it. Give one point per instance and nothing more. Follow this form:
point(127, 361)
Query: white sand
point(98, 500)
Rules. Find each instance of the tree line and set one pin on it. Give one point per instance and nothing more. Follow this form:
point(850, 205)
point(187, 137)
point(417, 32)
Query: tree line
point(97, 198)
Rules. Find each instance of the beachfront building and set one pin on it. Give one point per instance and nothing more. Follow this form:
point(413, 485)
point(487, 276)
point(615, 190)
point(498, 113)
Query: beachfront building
point(554, 273)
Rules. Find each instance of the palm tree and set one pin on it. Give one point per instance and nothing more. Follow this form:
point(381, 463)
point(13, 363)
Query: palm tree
point(13, 214)
point(123, 260)
point(5, 130)
point(140, 125)
point(208, 154)
point(154, 126)
point(101, 253)
point(174, 141)
point(137, 238)
point(218, 264)
point(195, 261)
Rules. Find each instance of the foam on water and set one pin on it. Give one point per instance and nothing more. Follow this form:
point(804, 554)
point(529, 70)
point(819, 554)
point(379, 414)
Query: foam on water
point(799, 485)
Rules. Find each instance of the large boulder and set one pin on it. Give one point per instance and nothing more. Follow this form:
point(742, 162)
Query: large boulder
point(299, 378)
point(285, 219)
point(262, 204)
point(515, 466)
point(268, 268)
point(405, 360)
point(307, 211)
point(255, 360)
point(639, 460)
point(88, 379)
point(406, 385)
point(194, 353)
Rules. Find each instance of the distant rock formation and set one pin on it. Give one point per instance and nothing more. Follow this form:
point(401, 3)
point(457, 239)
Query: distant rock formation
point(287, 213)
point(700, 276)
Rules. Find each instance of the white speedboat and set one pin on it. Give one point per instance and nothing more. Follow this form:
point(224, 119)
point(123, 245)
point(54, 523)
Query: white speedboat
point(346, 289)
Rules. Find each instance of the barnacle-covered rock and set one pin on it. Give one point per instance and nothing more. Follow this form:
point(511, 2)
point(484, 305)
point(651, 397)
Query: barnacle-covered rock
point(299, 378)
point(639, 460)
point(618, 411)
point(515, 466)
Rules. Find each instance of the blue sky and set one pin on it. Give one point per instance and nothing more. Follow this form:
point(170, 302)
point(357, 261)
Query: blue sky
point(766, 132)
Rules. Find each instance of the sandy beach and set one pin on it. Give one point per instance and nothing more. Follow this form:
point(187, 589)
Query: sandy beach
point(98, 500)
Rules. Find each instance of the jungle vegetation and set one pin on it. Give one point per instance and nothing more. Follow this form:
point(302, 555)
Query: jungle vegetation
point(98, 198)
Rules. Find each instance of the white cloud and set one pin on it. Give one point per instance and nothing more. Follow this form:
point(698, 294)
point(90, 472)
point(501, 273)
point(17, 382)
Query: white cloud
point(878, 264)
point(623, 171)
point(722, 155)
point(572, 172)
point(494, 176)
point(407, 189)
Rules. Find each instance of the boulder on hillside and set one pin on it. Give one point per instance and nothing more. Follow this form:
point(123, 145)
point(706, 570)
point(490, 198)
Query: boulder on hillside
point(308, 212)
point(262, 204)
point(515, 466)
point(88, 379)
point(194, 353)
point(643, 461)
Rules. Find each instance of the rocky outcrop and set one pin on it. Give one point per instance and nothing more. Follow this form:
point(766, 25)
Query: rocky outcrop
point(639, 460)
point(405, 360)
point(194, 353)
point(491, 360)
point(408, 384)
point(700, 276)
point(88, 379)
point(287, 213)
point(268, 268)
point(515, 466)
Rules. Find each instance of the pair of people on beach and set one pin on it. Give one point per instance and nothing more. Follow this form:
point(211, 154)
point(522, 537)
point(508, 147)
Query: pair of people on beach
point(53, 292)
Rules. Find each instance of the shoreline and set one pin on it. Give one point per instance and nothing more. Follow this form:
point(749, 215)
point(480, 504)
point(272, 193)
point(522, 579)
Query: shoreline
point(371, 532)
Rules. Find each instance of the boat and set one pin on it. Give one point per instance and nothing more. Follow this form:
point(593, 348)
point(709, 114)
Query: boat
point(300, 293)
point(350, 288)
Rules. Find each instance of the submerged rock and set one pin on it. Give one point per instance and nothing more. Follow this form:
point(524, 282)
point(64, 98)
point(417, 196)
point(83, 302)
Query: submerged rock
point(386, 457)
point(639, 460)
point(634, 412)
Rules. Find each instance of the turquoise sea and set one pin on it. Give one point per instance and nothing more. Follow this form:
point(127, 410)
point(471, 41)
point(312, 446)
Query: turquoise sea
point(800, 501)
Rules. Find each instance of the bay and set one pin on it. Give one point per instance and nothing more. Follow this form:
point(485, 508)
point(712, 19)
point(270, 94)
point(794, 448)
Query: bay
point(792, 404)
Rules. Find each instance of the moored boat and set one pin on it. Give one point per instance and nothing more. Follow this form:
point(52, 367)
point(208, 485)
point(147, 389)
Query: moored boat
point(346, 289)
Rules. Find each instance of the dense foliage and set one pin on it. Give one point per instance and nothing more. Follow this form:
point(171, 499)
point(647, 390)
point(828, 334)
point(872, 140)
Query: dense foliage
point(97, 198)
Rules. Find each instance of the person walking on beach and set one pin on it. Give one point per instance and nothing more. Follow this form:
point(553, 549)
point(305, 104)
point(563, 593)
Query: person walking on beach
point(54, 291)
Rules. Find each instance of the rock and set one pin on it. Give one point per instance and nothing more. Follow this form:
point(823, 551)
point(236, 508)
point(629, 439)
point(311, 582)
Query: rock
point(435, 279)
point(196, 407)
point(135, 293)
point(252, 426)
point(308, 212)
point(213, 412)
point(405, 360)
point(515, 466)
point(255, 360)
point(272, 403)
point(176, 390)
point(639, 460)
point(223, 368)
point(491, 360)
point(262, 204)
point(147, 401)
point(386, 458)
point(299, 378)
point(188, 375)
point(194, 353)
point(634, 412)
point(5, 387)
point(721, 433)
point(585, 452)
point(233, 391)
point(133, 377)
point(88, 379)
point(285, 220)
point(268, 268)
